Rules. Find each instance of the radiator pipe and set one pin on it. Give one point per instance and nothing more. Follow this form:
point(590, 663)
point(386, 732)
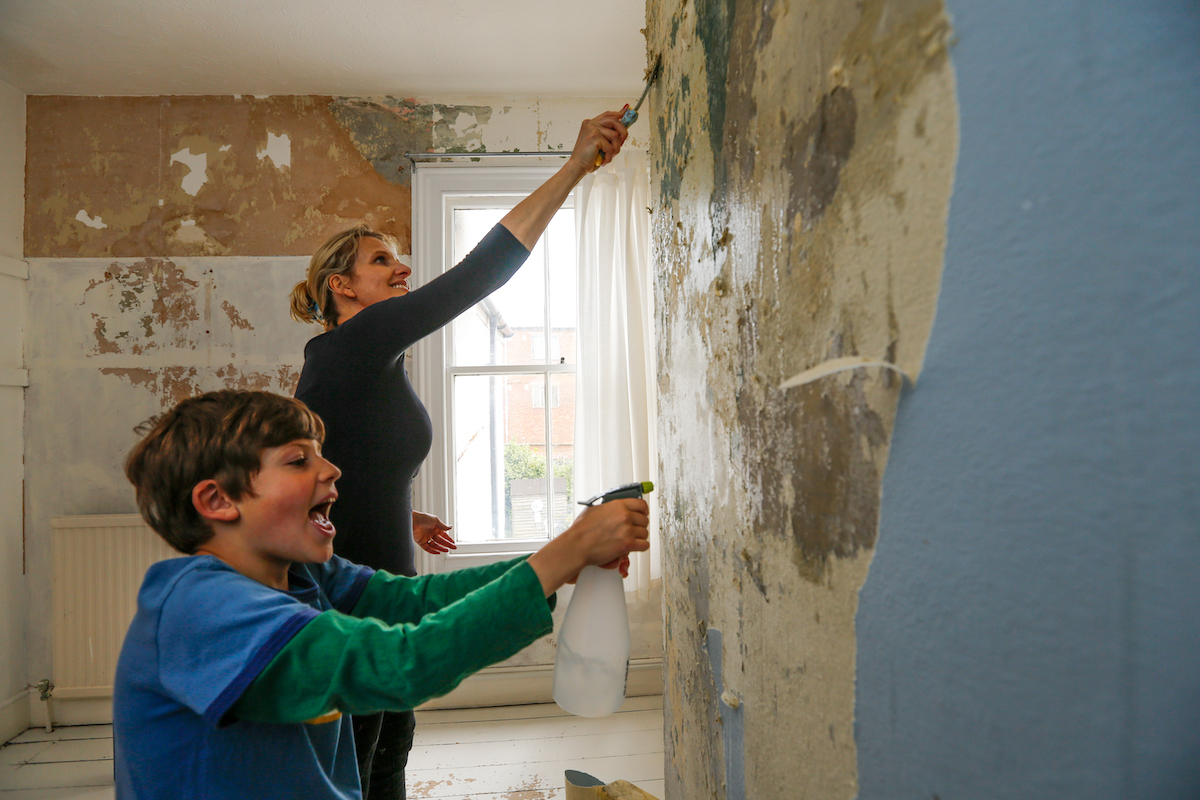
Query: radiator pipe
point(45, 686)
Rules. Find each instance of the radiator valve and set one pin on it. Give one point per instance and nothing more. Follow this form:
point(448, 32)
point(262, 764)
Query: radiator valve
point(45, 686)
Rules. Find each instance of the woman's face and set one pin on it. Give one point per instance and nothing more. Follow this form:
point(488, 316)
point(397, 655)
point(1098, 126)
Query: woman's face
point(377, 273)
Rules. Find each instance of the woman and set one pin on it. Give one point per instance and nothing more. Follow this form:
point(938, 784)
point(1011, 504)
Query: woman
point(376, 429)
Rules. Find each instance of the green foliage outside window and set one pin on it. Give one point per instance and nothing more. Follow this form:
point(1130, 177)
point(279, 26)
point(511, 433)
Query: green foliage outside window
point(522, 461)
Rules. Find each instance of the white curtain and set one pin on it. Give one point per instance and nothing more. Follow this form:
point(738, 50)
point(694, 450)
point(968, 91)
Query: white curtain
point(616, 383)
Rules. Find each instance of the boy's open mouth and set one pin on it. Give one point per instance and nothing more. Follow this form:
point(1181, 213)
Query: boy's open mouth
point(319, 515)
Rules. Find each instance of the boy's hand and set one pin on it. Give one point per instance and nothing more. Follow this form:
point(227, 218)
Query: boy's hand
point(602, 535)
point(430, 534)
point(621, 563)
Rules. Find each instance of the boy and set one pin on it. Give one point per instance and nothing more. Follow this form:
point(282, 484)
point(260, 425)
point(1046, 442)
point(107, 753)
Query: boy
point(245, 660)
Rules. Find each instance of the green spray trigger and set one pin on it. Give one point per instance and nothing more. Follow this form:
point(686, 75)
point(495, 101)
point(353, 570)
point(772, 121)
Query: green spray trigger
point(628, 490)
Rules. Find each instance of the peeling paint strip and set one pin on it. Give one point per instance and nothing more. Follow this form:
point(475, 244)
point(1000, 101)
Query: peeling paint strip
point(14, 377)
point(835, 365)
point(14, 268)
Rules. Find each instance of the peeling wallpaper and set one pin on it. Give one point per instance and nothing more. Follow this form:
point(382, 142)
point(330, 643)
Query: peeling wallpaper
point(248, 176)
point(804, 159)
point(164, 235)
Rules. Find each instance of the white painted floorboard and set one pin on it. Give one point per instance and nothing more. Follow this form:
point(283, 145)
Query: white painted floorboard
point(504, 753)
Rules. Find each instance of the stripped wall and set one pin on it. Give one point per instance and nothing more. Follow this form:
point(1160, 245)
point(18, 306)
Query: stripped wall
point(14, 711)
point(804, 157)
point(164, 235)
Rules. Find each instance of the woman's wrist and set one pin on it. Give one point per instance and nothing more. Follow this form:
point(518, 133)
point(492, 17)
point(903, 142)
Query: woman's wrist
point(575, 170)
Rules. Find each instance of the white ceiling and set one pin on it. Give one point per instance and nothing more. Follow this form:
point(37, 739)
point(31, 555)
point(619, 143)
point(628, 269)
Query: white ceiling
point(422, 48)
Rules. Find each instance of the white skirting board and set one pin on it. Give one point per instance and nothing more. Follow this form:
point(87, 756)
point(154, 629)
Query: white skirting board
point(496, 686)
point(14, 716)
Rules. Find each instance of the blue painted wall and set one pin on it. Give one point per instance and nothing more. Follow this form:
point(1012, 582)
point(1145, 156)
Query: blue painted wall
point(1031, 624)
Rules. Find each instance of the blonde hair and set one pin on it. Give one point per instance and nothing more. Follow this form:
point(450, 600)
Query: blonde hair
point(312, 300)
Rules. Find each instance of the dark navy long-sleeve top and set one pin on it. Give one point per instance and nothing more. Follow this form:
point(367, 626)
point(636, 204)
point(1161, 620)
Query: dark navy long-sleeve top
point(376, 428)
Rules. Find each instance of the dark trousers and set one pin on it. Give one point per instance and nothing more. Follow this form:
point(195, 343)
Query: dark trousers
point(382, 742)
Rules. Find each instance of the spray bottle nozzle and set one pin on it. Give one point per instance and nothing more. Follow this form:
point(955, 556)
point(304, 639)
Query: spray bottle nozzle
point(628, 490)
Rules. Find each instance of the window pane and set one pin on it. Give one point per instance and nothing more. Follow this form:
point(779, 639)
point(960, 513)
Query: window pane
point(509, 327)
point(562, 442)
point(498, 330)
point(479, 332)
point(560, 238)
point(478, 459)
point(500, 457)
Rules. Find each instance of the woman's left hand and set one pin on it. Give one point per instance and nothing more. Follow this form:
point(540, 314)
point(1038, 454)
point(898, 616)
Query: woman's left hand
point(430, 534)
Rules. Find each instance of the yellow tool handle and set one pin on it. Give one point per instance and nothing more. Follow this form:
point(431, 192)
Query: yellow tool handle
point(628, 117)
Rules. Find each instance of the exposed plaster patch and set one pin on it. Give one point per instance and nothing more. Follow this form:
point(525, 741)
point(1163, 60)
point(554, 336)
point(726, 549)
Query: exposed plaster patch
point(91, 222)
point(278, 149)
point(189, 233)
point(197, 164)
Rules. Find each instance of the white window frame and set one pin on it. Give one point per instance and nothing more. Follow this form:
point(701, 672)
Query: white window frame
point(437, 188)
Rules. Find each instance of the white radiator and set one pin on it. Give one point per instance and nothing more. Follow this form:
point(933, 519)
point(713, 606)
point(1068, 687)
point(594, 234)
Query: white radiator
point(99, 563)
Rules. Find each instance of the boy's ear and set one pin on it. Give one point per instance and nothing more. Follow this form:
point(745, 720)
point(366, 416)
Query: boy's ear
point(211, 502)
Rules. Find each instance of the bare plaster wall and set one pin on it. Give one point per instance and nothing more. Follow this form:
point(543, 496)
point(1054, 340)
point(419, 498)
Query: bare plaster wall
point(804, 156)
point(14, 712)
point(164, 235)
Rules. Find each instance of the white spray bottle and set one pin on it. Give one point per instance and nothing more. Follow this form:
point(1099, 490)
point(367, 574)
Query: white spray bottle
point(592, 663)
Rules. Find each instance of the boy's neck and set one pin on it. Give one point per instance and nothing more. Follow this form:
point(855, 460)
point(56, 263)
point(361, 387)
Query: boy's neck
point(267, 572)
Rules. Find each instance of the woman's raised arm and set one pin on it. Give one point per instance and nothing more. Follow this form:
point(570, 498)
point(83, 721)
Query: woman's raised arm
point(601, 136)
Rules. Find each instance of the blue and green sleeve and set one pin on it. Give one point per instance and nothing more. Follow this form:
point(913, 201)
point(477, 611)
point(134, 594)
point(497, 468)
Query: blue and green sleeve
point(406, 641)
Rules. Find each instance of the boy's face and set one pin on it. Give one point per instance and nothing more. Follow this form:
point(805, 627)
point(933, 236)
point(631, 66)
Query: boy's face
point(285, 516)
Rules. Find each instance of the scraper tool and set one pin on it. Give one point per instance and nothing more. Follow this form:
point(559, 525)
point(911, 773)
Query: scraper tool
point(630, 115)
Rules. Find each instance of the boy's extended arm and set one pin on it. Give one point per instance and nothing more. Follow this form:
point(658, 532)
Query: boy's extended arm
point(343, 663)
point(396, 599)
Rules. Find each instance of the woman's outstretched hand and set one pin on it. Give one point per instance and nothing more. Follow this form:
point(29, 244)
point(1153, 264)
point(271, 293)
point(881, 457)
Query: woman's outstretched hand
point(599, 140)
point(430, 534)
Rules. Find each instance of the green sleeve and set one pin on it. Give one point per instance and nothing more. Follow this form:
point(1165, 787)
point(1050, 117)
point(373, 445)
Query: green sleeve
point(338, 662)
point(395, 598)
